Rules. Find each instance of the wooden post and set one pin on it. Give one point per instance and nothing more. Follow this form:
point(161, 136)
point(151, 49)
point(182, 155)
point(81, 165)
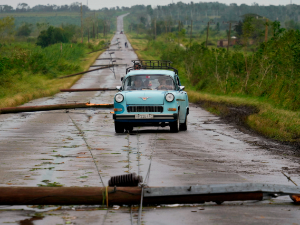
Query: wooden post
point(81, 23)
point(88, 35)
point(207, 34)
point(229, 38)
point(266, 31)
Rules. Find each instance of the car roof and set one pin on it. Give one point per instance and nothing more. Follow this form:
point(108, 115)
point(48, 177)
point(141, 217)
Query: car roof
point(154, 72)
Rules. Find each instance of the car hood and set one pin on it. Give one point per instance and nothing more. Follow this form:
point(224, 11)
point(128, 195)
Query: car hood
point(145, 97)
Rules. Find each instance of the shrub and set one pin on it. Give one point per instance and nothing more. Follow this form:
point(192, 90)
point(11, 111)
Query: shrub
point(51, 36)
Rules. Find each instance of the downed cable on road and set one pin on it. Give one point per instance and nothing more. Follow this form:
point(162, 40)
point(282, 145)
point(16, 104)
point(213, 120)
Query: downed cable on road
point(289, 178)
point(88, 147)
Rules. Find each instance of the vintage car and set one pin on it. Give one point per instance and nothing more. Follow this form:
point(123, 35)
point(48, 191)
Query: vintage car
point(151, 95)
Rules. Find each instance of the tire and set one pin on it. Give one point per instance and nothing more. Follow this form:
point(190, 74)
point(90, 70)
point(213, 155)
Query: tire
point(183, 126)
point(174, 126)
point(119, 128)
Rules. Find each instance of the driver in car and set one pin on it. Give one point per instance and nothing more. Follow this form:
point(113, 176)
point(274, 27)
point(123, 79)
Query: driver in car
point(138, 83)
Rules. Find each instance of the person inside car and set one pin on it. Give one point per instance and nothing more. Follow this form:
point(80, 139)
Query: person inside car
point(138, 83)
point(163, 84)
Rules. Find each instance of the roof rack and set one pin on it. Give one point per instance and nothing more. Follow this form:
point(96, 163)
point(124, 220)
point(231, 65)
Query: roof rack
point(151, 64)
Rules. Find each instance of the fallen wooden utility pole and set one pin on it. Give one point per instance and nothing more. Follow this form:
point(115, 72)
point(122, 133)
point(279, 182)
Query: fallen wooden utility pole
point(75, 74)
point(115, 43)
point(52, 107)
point(151, 195)
point(110, 59)
point(124, 64)
point(97, 50)
point(88, 89)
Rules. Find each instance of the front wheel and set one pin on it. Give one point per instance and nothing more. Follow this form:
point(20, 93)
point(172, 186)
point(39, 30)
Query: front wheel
point(183, 126)
point(119, 128)
point(174, 126)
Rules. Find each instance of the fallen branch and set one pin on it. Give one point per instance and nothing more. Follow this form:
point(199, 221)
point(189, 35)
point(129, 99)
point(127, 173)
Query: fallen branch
point(52, 107)
point(75, 74)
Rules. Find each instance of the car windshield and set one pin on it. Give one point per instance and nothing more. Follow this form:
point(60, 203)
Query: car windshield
point(149, 82)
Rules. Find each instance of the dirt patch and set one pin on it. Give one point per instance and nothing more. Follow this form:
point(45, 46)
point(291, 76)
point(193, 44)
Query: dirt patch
point(238, 115)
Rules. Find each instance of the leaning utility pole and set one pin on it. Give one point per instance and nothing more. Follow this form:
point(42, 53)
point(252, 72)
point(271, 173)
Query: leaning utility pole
point(155, 29)
point(266, 31)
point(94, 36)
point(81, 23)
point(178, 31)
point(191, 33)
point(97, 29)
point(229, 39)
point(207, 34)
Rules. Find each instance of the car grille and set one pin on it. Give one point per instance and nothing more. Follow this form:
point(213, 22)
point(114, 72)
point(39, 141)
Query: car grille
point(148, 108)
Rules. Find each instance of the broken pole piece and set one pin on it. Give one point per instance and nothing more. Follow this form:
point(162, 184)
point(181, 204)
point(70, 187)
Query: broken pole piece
point(75, 74)
point(98, 196)
point(88, 89)
point(52, 107)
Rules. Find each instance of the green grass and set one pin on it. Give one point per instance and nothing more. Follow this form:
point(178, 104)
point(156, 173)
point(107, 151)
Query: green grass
point(22, 84)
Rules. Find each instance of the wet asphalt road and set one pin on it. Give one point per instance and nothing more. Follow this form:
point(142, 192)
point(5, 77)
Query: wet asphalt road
point(53, 147)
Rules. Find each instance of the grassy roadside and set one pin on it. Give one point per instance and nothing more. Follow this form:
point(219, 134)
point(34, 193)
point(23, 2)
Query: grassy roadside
point(27, 86)
point(268, 120)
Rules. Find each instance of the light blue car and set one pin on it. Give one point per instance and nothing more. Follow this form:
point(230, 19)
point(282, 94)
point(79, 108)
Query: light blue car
point(151, 97)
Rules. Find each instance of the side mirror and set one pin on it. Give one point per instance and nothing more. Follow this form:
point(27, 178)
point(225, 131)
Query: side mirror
point(181, 88)
point(119, 88)
point(122, 78)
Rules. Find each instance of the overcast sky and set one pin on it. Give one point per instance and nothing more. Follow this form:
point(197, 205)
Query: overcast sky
point(96, 4)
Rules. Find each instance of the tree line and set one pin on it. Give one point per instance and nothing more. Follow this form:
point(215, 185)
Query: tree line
point(74, 7)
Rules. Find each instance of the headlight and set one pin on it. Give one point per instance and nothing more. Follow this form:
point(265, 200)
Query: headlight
point(119, 98)
point(169, 97)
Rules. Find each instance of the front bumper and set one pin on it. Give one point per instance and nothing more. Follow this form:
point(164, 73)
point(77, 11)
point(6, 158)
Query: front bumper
point(156, 118)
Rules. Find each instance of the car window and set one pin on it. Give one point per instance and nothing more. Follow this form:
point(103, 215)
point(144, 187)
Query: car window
point(149, 82)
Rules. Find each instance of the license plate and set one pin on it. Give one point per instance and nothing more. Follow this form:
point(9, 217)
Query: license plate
point(144, 116)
